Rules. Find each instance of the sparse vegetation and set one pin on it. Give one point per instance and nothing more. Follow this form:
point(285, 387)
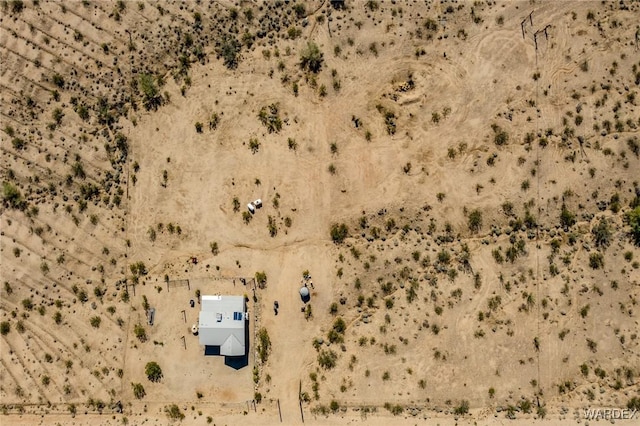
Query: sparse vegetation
point(153, 371)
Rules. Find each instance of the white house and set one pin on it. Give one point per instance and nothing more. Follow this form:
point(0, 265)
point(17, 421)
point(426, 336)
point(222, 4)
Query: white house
point(222, 323)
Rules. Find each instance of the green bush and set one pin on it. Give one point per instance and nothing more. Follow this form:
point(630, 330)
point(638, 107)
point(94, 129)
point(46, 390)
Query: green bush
point(140, 332)
point(475, 220)
point(602, 234)
point(173, 412)
point(229, 51)
point(463, 408)
point(339, 232)
point(153, 371)
point(264, 345)
point(327, 359)
point(633, 218)
point(12, 197)
point(138, 390)
point(311, 58)
point(567, 218)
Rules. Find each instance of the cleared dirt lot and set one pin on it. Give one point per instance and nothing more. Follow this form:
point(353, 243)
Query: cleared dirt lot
point(459, 183)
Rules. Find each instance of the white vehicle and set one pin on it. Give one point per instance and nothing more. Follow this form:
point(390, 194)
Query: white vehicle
point(258, 203)
point(251, 208)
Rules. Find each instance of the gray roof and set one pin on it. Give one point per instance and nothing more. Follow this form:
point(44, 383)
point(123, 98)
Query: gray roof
point(222, 323)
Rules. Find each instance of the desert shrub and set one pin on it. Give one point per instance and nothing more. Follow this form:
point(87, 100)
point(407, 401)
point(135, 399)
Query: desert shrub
point(214, 120)
point(339, 232)
point(12, 197)
point(500, 137)
point(584, 369)
point(18, 144)
point(273, 228)
point(153, 371)
point(390, 122)
point(633, 219)
point(270, 118)
point(463, 408)
point(394, 409)
point(151, 98)
point(5, 328)
point(229, 51)
point(596, 260)
point(246, 217)
point(138, 268)
point(633, 145)
point(333, 309)
point(264, 345)
point(261, 278)
point(173, 412)
point(138, 390)
point(602, 234)
point(311, 58)
point(254, 145)
point(58, 80)
point(27, 304)
point(140, 332)
point(327, 359)
point(567, 218)
point(214, 248)
point(95, 322)
point(475, 220)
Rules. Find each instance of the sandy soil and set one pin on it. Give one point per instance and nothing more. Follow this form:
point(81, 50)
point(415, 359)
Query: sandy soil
point(513, 318)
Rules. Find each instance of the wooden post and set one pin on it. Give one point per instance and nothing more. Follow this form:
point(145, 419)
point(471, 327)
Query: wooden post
point(279, 411)
point(300, 401)
point(184, 314)
point(522, 26)
point(531, 18)
point(184, 342)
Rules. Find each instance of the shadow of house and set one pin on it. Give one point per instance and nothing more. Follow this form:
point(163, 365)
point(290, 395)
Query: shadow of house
point(223, 329)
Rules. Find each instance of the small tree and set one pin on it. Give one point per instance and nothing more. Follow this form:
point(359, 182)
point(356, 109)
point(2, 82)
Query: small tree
point(602, 234)
point(214, 248)
point(140, 332)
point(5, 328)
point(12, 197)
point(327, 359)
point(138, 390)
point(261, 279)
point(264, 345)
point(463, 408)
point(150, 93)
point(475, 220)
point(173, 412)
point(567, 219)
point(153, 371)
point(311, 58)
point(95, 322)
point(339, 232)
point(229, 51)
point(633, 218)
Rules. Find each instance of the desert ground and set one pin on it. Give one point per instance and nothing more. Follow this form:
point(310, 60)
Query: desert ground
point(459, 180)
